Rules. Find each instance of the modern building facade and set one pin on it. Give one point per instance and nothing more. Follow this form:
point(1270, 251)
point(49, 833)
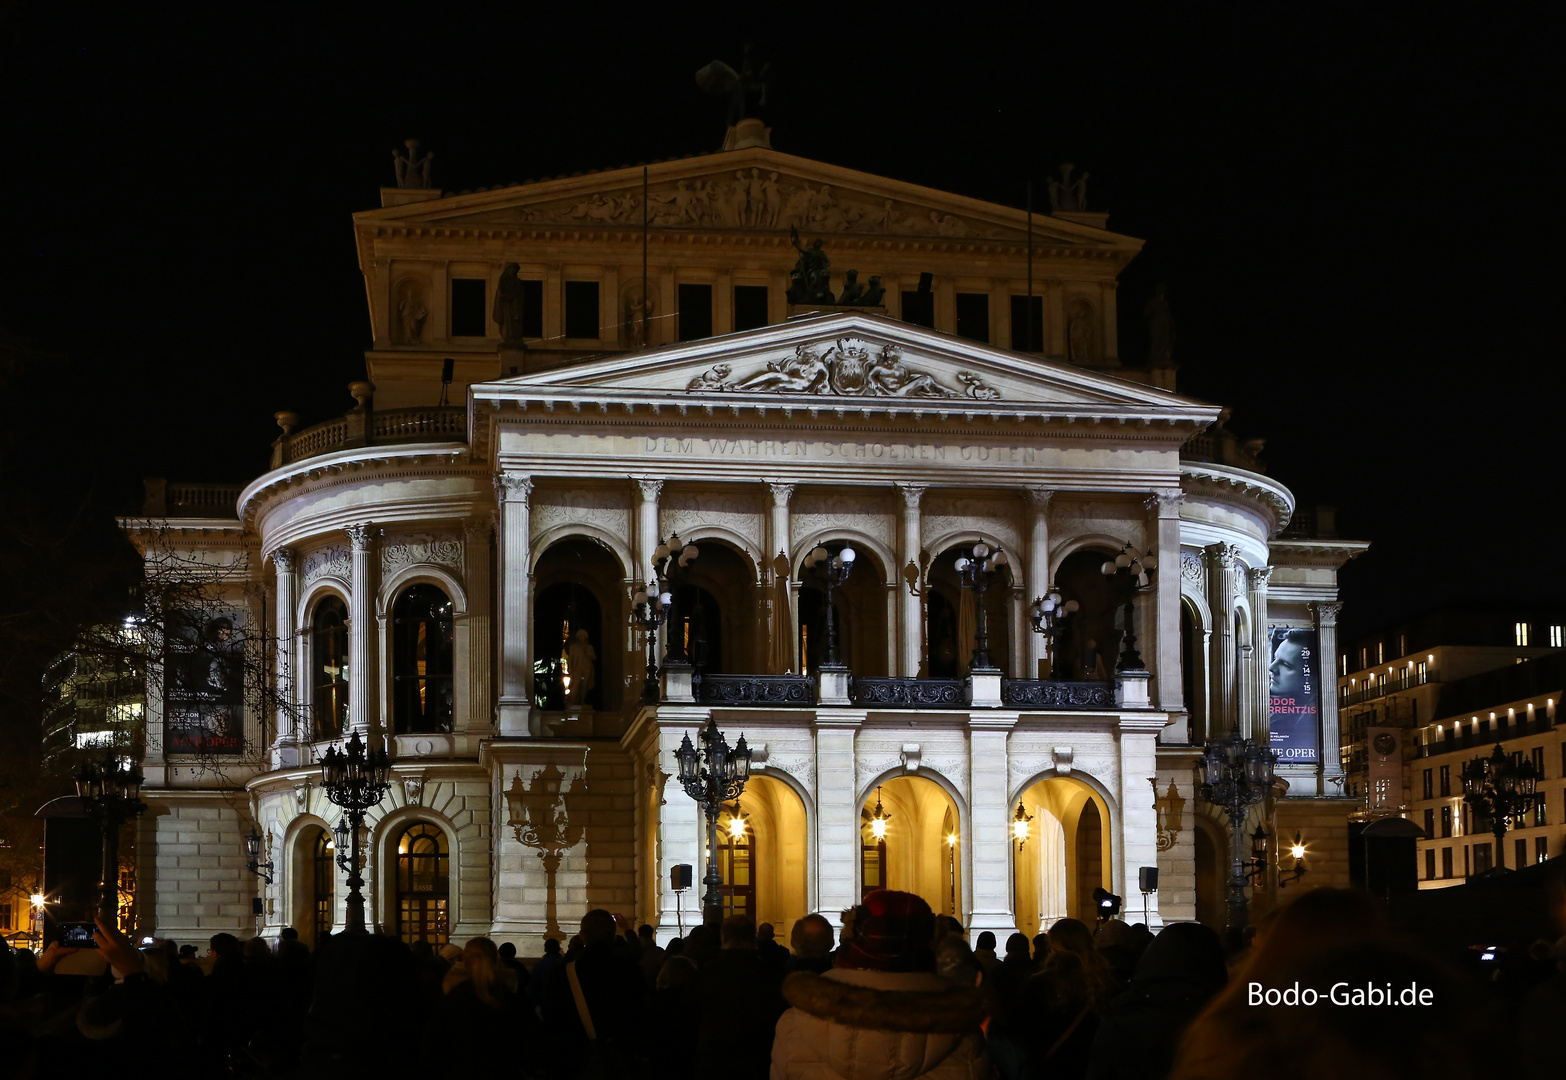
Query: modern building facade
point(459, 582)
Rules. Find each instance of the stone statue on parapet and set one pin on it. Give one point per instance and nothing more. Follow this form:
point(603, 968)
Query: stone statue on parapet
point(746, 87)
point(1160, 329)
point(1068, 194)
point(413, 171)
point(853, 289)
point(811, 278)
point(507, 311)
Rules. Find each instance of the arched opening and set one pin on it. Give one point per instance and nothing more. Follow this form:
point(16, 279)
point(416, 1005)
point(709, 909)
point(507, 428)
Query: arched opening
point(1062, 855)
point(1090, 643)
point(422, 630)
point(919, 847)
point(761, 854)
point(858, 609)
point(577, 584)
point(329, 668)
point(1210, 844)
point(715, 613)
point(423, 884)
point(953, 615)
point(314, 883)
point(1193, 671)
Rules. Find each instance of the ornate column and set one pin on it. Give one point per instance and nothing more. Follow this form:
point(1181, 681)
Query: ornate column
point(1166, 618)
point(1223, 669)
point(912, 635)
point(778, 537)
point(516, 639)
point(361, 620)
point(1256, 580)
point(285, 751)
point(1038, 575)
point(990, 844)
point(648, 488)
point(1330, 770)
point(476, 535)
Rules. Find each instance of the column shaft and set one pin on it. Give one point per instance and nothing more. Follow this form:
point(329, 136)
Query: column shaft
point(1223, 700)
point(284, 752)
point(475, 555)
point(516, 652)
point(1166, 646)
point(1261, 702)
point(912, 636)
point(361, 619)
point(1038, 583)
point(1330, 768)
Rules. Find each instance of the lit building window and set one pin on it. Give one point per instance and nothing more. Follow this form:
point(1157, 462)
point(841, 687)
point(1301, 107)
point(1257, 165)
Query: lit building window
point(1381, 653)
point(1557, 638)
point(1522, 634)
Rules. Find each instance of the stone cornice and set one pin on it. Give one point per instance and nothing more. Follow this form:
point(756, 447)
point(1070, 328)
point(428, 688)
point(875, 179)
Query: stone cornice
point(1330, 554)
point(354, 466)
point(1242, 489)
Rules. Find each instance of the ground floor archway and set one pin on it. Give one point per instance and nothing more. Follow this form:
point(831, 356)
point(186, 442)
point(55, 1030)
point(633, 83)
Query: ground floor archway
point(918, 847)
point(762, 848)
point(1064, 855)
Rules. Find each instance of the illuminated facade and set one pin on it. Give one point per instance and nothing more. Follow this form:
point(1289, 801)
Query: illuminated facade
point(461, 580)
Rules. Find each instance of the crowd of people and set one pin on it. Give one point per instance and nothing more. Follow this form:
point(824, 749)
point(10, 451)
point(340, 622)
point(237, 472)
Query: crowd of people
point(895, 993)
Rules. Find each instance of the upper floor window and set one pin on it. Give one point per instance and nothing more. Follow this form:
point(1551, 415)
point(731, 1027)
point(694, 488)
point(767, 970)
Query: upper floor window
point(751, 309)
point(581, 309)
point(1402, 644)
point(695, 312)
point(973, 316)
point(1557, 638)
point(1027, 323)
point(422, 660)
point(1521, 632)
point(919, 306)
point(329, 668)
point(468, 315)
point(1381, 652)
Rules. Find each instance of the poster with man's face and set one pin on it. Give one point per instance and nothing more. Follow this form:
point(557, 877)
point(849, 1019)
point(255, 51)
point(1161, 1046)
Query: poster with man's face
point(203, 693)
point(1294, 694)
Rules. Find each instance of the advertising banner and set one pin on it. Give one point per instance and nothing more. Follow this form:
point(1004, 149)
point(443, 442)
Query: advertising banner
point(1294, 694)
point(203, 688)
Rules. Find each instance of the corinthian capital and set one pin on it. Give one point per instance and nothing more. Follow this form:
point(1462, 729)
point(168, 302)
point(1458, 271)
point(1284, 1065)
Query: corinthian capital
point(1221, 556)
point(781, 492)
point(360, 535)
point(513, 488)
point(1039, 498)
point(1258, 576)
point(912, 493)
point(284, 560)
point(650, 488)
point(1166, 503)
point(1327, 613)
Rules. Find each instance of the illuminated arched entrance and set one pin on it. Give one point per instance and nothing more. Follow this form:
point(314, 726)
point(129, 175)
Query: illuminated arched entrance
point(919, 846)
point(761, 855)
point(1065, 856)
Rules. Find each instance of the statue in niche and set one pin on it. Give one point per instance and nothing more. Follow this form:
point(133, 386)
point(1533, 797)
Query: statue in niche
point(581, 658)
point(745, 87)
point(636, 308)
point(412, 170)
point(1067, 194)
point(1081, 334)
point(772, 194)
point(812, 275)
point(507, 310)
point(1160, 329)
point(411, 313)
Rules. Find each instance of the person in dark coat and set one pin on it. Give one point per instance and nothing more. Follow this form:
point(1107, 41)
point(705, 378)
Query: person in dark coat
point(738, 1001)
point(1178, 974)
point(595, 1037)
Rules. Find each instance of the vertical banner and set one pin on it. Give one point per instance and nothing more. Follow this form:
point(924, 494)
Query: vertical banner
point(203, 693)
point(1294, 695)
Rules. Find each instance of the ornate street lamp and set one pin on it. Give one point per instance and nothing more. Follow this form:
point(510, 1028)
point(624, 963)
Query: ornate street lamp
point(652, 611)
point(672, 556)
point(1296, 849)
point(110, 792)
point(1019, 826)
point(974, 573)
point(1235, 773)
point(951, 864)
point(355, 781)
point(1048, 614)
point(879, 818)
point(834, 571)
point(342, 841)
point(1138, 570)
point(1500, 787)
point(254, 849)
point(712, 776)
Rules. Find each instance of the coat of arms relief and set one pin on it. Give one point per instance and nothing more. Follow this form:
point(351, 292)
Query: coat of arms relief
point(846, 369)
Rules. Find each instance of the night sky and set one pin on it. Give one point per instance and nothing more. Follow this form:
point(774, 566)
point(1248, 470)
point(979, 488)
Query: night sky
point(1354, 211)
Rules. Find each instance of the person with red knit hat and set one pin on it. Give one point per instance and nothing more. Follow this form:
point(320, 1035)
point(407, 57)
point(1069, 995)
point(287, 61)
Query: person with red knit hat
point(881, 1013)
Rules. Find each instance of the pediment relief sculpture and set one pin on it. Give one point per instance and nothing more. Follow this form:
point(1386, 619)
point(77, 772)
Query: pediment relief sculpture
point(847, 369)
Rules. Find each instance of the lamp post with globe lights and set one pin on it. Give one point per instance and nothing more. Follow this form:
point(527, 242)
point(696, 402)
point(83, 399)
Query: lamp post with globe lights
point(1138, 570)
point(110, 792)
point(834, 571)
point(671, 557)
point(712, 776)
point(1235, 773)
point(1048, 616)
point(354, 780)
point(1500, 787)
point(652, 611)
point(974, 571)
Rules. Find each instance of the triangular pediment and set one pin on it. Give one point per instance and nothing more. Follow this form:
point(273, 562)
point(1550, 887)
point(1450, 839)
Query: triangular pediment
point(755, 190)
point(850, 358)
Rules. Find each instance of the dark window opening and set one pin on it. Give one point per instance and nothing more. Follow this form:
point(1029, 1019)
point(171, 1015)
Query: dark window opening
point(973, 316)
point(919, 308)
point(329, 659)
point(1430, 865)
point(468, 317)
point(1446, 862)
point(423, 885)
point(695, 312)
point(422, 660)
point(532, 309)
point(1027, 327)
point(750, 306)
point(581, 309)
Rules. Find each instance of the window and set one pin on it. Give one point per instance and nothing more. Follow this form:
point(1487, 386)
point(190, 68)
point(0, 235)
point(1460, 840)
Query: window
point(1557, 638)
point(468, 317)
point(750, 306)
point(329, 668)
point(1482, 858)
point(735, 863)
point(1429, 823)
point(1027, 323)
point(1402, 644)
point(1521, 632)
point(1521, 850)
point(1364, 661)
point(423, 885)
point(422, 660)
point(1446, 862)
point(1541, 813)
point(5, 917)
point(1421, 673)
point(532, 308)
point(1465, 861)
point(581, 309)
point(1429, 787)
point(1430, 864)
point(1541, 848)
point(1343, 663)
point(1381, 652)
point(695, 312)
point(1446, 821)
point(973, 316)
point(321, 888)
point(1537, 755)
point(919, 308)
